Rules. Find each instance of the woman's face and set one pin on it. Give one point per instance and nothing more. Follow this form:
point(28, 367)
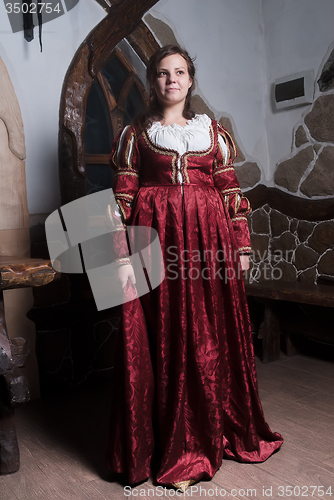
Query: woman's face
point(173, 80)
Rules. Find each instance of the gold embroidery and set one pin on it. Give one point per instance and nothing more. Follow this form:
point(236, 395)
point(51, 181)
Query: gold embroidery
point(245, 249)
point(185, 170)
point(237, 203)
point(228, 141)
point(125, 196)
point(120, 198)
point(231, 190)
point(162, 150)
point(239, 217)
point(122, 210)
point(227, 201)
point(112, 217)
point(128, 161)
point(200, 154)
point(223, 170)
point(124, 172)
point(248, 210)
point(222, 133)
point(222, 152)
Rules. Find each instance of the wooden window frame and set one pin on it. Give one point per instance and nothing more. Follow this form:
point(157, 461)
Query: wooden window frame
point(122, 21)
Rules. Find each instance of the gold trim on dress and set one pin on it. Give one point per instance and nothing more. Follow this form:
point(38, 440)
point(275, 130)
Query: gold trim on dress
point(122, 209)
point(237, 203)
point(222, 152)
point(239, 217)
point(245, 249)
point(204, 152)
point(128, 161)
point(112, 217)
point(227, 202)
point(161, 150)
point(125, 172)
point(172, 152)
point(249, 209)
point(228, 141)
point(222, 170)
point(231, 191)
point(124, 196)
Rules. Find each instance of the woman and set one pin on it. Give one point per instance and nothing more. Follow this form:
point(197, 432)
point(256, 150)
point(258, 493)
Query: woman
point(186, 392)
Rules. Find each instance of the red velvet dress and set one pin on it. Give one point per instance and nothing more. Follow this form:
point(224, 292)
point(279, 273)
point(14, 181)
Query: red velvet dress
point(185, 381)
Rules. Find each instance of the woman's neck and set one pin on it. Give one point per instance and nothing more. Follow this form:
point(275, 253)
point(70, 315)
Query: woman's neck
point(173, 115)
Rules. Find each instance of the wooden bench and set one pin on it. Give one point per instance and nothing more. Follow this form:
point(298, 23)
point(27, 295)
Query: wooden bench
point(272, 325)
point(15, 272)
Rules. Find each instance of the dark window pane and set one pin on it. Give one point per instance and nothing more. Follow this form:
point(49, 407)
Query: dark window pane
point(289, 90)
point(134, 104)
point(115, 73)
point(98, 132)
point(98, 177)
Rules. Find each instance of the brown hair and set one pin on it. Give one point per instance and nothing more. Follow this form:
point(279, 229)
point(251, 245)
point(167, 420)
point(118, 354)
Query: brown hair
point(155, 112)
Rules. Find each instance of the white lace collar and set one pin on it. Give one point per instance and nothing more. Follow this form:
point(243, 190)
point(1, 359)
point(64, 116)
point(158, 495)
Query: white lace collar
point(194, 136)
point(197, 121)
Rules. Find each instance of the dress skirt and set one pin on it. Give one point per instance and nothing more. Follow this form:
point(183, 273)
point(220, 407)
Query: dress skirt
point(185, 388)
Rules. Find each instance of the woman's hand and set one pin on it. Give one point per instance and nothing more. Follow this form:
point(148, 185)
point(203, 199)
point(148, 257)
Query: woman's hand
point(244, 260)
point(125, 273)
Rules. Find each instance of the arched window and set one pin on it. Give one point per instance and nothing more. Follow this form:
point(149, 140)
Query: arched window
point(101, 93)
point(115, 97)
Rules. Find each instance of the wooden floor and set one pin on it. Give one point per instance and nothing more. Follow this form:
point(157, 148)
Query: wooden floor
point(62, 442)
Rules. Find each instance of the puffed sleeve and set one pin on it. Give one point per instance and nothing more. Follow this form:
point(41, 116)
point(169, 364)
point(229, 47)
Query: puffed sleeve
point(124, 160)
point(226, 181)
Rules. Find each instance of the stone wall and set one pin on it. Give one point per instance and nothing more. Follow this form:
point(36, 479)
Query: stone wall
point(309, 172)
point(285, 247)
point(289, 249)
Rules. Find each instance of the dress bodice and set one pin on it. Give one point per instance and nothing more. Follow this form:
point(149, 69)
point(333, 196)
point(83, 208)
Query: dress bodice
point(178, 155)
point(168, 160)
point(194, 136)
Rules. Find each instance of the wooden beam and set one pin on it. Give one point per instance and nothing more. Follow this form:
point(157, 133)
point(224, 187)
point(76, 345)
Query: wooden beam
point(18, 273)
point(122, 19)
point(293, 206)
point(304, 293)
point(143, 42)
point(97, 159)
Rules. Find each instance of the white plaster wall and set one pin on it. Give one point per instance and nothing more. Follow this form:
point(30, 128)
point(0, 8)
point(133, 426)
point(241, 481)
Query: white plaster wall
point(226, 37)
point(234, 41)
point(297, 36)
point(37, 78)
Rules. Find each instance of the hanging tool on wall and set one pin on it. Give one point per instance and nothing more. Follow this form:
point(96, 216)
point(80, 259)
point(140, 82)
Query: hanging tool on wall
point(28, 22)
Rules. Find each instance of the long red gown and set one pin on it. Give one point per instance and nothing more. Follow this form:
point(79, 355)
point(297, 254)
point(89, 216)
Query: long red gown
point(186, 391)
